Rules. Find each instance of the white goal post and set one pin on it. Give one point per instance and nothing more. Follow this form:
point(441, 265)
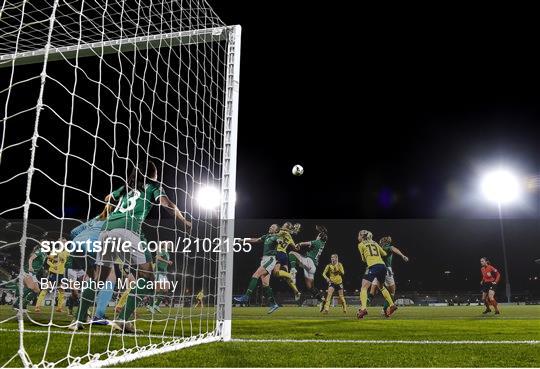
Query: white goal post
point(89, 89)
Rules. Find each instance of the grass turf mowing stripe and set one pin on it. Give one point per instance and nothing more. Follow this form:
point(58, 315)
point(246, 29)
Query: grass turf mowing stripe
point(409, 342)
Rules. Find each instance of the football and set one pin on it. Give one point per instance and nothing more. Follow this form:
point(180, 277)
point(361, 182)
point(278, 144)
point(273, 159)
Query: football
point(297, 170)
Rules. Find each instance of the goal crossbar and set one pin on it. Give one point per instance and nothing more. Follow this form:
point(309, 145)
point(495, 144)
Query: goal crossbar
point(119, 45)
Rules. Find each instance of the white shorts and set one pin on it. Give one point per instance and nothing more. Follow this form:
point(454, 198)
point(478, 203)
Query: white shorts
point(75, 274)
point(389, 278)
point(132, 257)
point(308, 265)
point(268, 262)
point(31, 275)
point(162, 277)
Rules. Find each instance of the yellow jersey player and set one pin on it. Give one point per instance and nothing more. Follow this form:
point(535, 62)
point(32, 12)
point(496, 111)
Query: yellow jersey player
point(333, 273)
point(284, 242)
point(387, 245)
point(57, 269)
point(372, 255)
point(200, 298)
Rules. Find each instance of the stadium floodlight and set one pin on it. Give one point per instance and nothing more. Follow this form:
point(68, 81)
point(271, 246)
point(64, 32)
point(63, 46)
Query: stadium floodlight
point(500, 186)
point(209, 197)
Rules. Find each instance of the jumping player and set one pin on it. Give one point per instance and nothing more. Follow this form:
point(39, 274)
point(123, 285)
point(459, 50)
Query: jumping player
point(389, 281)
point(490, 279)
point(134, 202)
point(372, 254)
point(284, 242)
point(268, 263)
point(311, 260)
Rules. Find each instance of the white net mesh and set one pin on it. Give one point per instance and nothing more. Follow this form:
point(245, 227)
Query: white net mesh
point(88, 91)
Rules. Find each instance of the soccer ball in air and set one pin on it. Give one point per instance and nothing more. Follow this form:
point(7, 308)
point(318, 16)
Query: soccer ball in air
point(297, 170)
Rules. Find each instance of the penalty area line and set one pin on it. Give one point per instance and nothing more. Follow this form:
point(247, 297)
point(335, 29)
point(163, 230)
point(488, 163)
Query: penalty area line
point(402, 342)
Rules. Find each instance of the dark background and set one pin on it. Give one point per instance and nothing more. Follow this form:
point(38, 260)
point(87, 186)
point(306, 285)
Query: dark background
point(388, 109)
point(394, 112)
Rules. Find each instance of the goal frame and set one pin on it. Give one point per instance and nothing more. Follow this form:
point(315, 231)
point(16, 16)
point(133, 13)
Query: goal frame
point(231, 34)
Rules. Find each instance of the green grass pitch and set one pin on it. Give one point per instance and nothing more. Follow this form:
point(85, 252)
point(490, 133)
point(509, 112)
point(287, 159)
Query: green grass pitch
point(321, 335)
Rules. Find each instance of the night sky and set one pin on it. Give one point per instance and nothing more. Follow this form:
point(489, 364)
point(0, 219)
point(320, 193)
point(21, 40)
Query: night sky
point(394, 112)
point(391, 111)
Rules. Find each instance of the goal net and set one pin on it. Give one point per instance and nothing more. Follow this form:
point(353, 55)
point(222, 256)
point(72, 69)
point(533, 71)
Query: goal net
point(92, 93)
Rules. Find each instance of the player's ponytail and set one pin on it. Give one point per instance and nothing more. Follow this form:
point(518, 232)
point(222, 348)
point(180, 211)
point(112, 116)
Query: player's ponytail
point(323, 232)
point(141, 175)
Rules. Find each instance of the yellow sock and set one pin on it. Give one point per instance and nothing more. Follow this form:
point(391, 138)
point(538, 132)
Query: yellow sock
point(41, 298)
point(60, 300)
point(292, 286)
point(123, 299)
point(363, 298)
point(284, 274)
point(343, 303)
point(327, 302)
point(387, 296)
point(290, 282)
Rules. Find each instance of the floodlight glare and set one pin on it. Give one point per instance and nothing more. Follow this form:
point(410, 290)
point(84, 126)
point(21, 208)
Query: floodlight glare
point(209, 197)
point(500, 186)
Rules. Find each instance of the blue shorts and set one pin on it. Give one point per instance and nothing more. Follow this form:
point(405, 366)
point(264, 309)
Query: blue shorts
point(55, 278)
point(376, 271)
point(282, 258)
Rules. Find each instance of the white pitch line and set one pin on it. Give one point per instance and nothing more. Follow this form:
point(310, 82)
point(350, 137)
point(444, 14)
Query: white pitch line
point(87, 332)
point(406, 342)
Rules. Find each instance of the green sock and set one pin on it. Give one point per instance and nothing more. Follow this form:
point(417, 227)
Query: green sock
point(157, 300)
point(369, 298)
point(131, 303)
point(18, 296)
point(29, 296)
point(252, 285)
point(269, 294)
point(315, 293)
point(386, 304)
point(292, 261)
point(87, 299)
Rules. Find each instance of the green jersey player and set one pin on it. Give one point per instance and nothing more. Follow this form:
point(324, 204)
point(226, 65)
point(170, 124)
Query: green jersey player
point(268, 262)
point(123, 226)
point(310, 261)
point(389, 282)
point(33, 268)
point(163, 261)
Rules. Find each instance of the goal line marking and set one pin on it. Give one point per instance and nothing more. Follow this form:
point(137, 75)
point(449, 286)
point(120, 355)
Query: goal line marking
point(290, 340)
point(405, 342)
point(93, 333)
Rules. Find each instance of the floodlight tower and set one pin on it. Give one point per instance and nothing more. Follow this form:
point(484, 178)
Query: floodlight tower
point(501, 186)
